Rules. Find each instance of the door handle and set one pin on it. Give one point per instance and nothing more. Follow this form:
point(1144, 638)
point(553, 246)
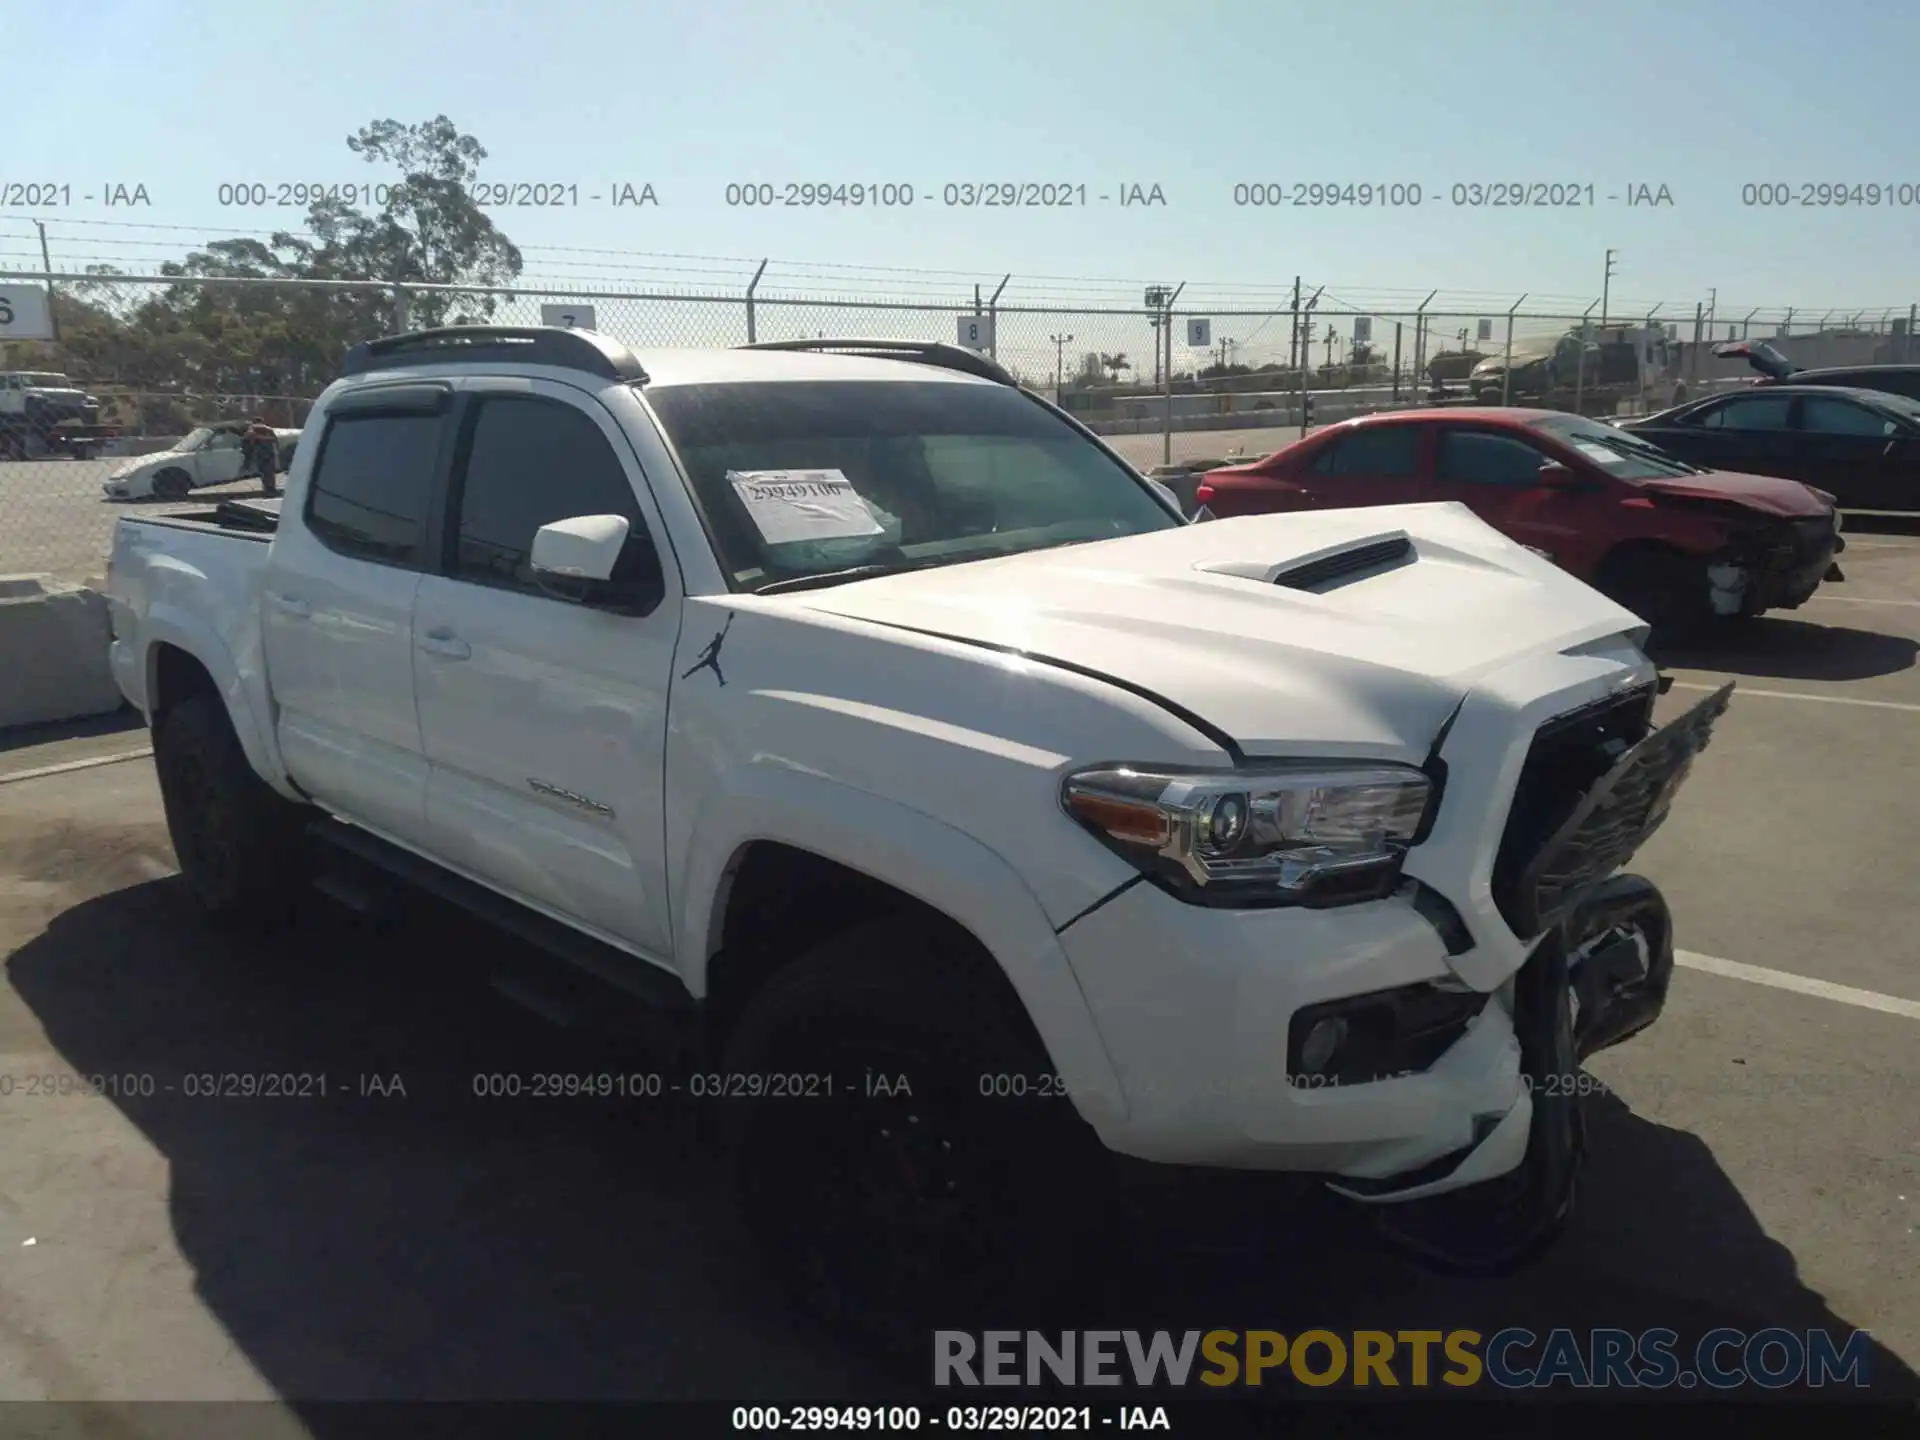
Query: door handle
point(444, 643)
point(290, 605)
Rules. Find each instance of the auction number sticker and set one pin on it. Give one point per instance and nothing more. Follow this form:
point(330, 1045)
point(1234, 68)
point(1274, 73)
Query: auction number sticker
point(789, 506)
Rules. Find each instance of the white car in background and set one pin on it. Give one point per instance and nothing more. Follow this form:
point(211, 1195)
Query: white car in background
point(211, 455)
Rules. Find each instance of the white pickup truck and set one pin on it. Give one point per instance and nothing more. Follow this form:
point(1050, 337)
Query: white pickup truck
point(980, 820)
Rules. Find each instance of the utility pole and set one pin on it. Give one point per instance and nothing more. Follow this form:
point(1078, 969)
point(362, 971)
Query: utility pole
point(1293, 349)
point(1606, 284)
point(1306, 354)
point(1060, 342)
point(53, 314)
point(1166, 330)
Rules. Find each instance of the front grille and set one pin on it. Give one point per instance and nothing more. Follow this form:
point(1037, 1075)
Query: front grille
point(1570, 754)
point(1562, 841)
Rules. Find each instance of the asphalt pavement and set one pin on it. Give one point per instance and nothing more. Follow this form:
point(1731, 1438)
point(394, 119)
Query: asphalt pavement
point(1755, 1157)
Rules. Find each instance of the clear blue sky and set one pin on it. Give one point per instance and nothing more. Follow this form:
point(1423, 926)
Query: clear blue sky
point(1696, 95)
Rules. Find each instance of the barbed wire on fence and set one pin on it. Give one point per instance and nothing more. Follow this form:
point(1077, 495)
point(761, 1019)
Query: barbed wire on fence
point(164, 353)
point(555, 267)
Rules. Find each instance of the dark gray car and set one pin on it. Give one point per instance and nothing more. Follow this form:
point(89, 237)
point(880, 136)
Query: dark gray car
point(1861, 446)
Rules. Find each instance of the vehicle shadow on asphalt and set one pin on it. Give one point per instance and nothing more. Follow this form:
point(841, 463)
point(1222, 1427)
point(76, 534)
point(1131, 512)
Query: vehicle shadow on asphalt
point(1776, 648)
point(438, 1245)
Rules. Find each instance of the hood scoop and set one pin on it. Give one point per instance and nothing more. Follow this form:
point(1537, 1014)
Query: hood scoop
point(1324, 570)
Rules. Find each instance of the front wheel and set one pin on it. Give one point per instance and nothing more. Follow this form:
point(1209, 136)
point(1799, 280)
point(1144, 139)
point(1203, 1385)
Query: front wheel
point(943, 1169)
point(1503, 1225)
point(172, 484)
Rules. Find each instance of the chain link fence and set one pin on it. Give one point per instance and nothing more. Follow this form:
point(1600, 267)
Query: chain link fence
point(169, 359)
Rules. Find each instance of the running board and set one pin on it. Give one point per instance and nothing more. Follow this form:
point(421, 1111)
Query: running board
point(657, 988)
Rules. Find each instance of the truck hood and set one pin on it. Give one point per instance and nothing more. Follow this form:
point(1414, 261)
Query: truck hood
point(1372, 664)
point(1767, 494)
point(60, 397)
point(1495, 365)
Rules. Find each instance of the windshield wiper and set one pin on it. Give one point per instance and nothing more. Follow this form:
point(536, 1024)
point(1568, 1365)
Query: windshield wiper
point(830, 577)
point(1652, 455)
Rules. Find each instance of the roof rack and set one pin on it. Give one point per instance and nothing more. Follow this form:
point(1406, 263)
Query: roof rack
point(500, 344)
point(922, 352)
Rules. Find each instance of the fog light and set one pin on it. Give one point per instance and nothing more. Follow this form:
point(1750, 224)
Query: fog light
point(1326, 1037)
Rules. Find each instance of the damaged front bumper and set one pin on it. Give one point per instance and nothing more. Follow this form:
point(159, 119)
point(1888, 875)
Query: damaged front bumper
point(1598, 976)
point(1778, 568)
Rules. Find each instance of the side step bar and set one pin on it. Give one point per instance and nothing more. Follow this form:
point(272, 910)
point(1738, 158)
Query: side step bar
point(661, 992)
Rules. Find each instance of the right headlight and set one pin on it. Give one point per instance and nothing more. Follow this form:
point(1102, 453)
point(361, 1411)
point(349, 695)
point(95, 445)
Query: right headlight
point(1298, 833)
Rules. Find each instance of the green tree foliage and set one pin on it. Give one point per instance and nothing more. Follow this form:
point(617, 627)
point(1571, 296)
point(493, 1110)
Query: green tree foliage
point(193, 339)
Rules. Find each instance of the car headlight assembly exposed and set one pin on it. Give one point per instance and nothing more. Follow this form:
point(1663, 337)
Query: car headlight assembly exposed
point(1310, 834)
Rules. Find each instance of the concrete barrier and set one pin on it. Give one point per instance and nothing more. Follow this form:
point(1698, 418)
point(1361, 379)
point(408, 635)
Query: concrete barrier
point(53, 652)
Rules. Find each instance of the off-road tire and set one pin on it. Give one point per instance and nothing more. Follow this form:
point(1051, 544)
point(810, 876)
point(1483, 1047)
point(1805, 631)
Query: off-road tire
point(241, 846)
point(1505, 1225)
point(886, 1216)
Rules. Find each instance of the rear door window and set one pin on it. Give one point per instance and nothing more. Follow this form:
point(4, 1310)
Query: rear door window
point(372, 486)
point(1751, 412)
point(1372, 450)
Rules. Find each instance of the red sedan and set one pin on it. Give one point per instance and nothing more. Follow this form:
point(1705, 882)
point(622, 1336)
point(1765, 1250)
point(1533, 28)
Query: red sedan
point(1672, 542)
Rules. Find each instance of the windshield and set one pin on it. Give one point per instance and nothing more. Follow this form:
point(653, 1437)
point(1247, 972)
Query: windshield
point(196, 439)
point(810, 478)
point(48, 382)
point(1905, 406)
point(1623, 456)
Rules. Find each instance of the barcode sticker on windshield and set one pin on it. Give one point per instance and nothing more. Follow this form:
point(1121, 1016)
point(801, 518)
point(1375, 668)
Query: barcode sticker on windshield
point(788, 506)
point(1598, 452)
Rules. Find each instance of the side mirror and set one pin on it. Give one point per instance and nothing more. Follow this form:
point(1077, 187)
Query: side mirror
point(597, 561)
point(1555, 476)
point(1167, 497)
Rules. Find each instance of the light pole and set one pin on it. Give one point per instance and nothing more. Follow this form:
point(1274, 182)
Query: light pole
point(1156, 301)
point(1059, 343)
point(1606, 284)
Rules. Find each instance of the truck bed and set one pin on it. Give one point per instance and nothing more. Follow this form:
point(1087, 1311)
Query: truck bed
point(183, 571)
point(250, 518)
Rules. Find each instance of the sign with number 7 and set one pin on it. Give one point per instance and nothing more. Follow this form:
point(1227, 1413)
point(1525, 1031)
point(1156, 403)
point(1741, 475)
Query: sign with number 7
point(568, 317)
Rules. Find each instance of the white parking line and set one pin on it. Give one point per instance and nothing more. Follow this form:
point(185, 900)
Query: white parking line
point(73, 765)
point(1796, 695)
point(1862, 600)
point(1799, 984)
